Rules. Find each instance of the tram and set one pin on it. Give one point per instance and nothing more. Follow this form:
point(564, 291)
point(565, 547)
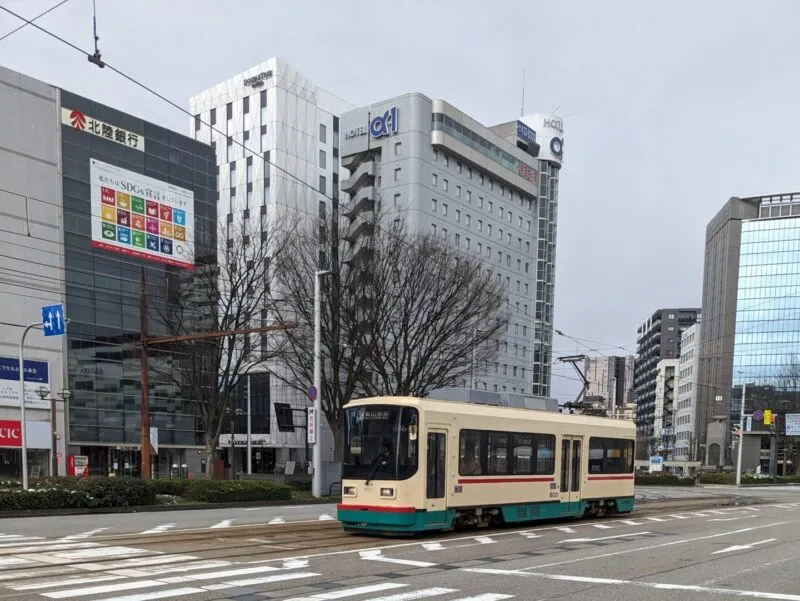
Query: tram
point(412, 465)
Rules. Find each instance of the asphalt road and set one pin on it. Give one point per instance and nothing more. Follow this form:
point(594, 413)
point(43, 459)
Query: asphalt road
point(746, 551)
point(167, 521)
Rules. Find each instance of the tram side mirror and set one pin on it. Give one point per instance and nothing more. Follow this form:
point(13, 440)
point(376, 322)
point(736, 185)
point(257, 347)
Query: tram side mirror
point(412, 431)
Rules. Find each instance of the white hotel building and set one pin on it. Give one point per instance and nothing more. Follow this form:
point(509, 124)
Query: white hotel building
point(282, 118)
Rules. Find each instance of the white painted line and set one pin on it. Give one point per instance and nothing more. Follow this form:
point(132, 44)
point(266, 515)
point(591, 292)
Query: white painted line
point(223, 524)
point(631, 522)
point(101, 552)
point(103, 590)
point(7, 561)
point(275, 578)
point(217, 587)
point(678, 516)
point(602, 526)
point(83, 535)
point(175, 592)
point(700, 514)
point(352, 592)
point(62, 582)
point(293, 565)
point(432, 546)
point(325, 517)
point(591, 540)
point(657, 519)
point(157, 570)
point(530, 535)
point(485, 540)
point(420, 594)
point(222, 574)
point(645, 584)
point(376, 556)
point(487, 597)
point(277, 520)
point(744, 517)
point(717, 511)
point(158, 529)
point(743, 547)
point(567, 530)
point(658, 546)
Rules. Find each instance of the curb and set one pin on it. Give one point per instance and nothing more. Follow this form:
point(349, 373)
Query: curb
point(34, 513)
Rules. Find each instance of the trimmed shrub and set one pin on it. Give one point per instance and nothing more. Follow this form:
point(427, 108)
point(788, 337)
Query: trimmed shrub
point(175, 487)
point(229, 491)
point(718, 478)
point(665, 480)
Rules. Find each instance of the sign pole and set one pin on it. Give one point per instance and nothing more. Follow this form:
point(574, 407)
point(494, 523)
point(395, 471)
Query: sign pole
point(145, 384)
point(741, 438)
point(316, 477)
point(249, 431)
point(22, 406)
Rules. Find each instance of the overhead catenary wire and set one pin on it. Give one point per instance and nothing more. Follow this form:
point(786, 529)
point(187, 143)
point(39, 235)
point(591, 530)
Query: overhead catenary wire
point(36, 18)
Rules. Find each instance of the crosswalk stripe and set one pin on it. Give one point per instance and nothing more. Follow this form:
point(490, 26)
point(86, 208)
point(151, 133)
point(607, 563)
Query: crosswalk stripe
point(420, 594)
point(159, 529)
point(62, 582)
point(485, 597)
point(175, 592)
point(601, 526)
point(352, 592)
point(273, 578)
point(103, 590)
point(222, 574)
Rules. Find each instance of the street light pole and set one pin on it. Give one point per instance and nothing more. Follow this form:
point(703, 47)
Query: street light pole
point(249, 431)
point(741, 438)
point(316, 481)
point(22, 404)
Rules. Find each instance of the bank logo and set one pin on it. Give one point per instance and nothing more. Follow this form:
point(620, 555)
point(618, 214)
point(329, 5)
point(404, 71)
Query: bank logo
point(383, 125)
point(78, 120)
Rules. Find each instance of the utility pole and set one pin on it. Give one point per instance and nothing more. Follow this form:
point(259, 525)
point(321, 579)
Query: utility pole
point(741, 437)
point(145, 341)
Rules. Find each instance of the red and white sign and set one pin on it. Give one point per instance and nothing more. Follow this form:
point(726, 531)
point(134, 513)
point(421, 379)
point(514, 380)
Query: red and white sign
point(10, 433)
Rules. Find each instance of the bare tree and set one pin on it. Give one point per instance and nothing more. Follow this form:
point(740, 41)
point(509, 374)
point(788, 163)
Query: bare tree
point(402, 313)
point(230, 292)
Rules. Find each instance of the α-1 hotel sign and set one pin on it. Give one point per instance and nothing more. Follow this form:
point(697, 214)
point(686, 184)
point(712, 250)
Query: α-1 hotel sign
point(379, 126)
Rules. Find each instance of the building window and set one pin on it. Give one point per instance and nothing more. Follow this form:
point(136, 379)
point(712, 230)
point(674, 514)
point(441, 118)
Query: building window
point(445, 185)
point(229, 110)
point(435, 155)
point(444, 209)
point(469, 218)
point(458, 240)
point(322, 159)
point(433, 205)
point(322, 184)
point(397, 149)
point(446, 160)
point(323, 133)
point(213, 119)
point(246, 104)
point(397, 174)
point(397, 199)
point(435, 180)
point(197, 123)
point(458, 191)
point(458, 215)
point(433, 229)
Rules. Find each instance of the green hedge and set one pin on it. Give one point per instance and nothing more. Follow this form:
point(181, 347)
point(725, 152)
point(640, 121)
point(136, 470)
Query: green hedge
point(665, 480)
point(228, 491)
point(101, 491)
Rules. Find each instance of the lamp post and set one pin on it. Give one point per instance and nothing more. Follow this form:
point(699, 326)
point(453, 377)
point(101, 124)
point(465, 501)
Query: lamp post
point(316, 482)
point(63, 396)
point(233, 413)
point(741, 438)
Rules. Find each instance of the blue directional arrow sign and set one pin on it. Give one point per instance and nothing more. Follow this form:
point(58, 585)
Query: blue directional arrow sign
point(54, 320)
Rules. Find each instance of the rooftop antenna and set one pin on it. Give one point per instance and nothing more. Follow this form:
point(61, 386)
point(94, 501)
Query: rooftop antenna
point(522, 110)
point(96, 57)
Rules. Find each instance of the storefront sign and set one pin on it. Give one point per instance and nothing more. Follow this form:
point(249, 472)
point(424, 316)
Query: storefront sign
point(78, 120)
point(38, 434)
point(10, 433)
point(37, 374)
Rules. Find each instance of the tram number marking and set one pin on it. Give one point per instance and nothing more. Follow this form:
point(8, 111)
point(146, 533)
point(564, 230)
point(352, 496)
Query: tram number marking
point(554, 495)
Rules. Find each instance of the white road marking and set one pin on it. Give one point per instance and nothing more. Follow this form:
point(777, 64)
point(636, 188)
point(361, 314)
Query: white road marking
point(103, 589)
point(485, 540)
point(62, 582)
point(222, 524)
point(293, 565)
point(432, 546)
point(158, 529)
point(602, 526)
point(273, 578)
point(100, 552)
point(83, 535)
point(420, 594)
point(277, 520)
point(222, 574)
point(591, 540)
point(677, 516)
point(631, 522)
point(643, 584)
point(530, 535)
point(567, 530)
point(377, 556)
point(488, 597)
point(352, 592)
point(7, 561)
point(743, 547)
point(175, 592)
point(658, 546)
point(744, 517)
point(325, 517)
point(656, 519)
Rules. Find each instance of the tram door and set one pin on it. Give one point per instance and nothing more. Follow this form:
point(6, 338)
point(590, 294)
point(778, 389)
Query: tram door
point(571, 471)
point(436, 472)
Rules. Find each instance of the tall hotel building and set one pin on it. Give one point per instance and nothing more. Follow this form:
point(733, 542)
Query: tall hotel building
point(491, 191)
point(276, 137)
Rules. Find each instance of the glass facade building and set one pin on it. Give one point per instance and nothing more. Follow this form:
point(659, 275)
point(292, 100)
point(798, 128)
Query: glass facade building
point(103, 284)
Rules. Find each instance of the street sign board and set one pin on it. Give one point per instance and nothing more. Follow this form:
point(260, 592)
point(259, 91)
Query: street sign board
point(312, 392)
point(53, 320)
point(793, 424)
point(758, 415)
point(656, 463)
point(311, 426)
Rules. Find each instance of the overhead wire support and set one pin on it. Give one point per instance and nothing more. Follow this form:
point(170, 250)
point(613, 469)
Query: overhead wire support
point(95, 58)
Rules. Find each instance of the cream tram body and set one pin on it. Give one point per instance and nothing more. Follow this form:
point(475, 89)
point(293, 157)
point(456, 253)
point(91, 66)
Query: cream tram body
point(412, 465)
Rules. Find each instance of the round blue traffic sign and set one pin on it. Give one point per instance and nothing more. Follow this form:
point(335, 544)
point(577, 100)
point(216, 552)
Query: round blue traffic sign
point(757, 415)
point(312, 392)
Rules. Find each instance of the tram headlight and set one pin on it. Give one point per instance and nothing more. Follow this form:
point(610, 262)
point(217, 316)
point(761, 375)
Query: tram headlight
point(349, 491)
point(387, 492)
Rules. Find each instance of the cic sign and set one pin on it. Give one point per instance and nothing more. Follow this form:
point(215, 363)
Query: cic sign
point(379, 126)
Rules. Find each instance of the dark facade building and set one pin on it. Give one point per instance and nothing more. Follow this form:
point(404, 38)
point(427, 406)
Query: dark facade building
point(658, 338)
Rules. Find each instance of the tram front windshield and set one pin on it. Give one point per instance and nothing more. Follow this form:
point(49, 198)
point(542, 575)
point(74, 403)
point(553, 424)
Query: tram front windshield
point(380, 442)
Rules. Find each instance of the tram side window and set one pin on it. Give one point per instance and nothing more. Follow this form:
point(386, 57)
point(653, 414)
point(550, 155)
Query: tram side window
point(545, 454)
point(610, 456)
point(471, 452)
point(498, 454)
point(523, 454)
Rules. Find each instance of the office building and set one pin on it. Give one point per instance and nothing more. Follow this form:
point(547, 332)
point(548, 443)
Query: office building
point(686, 448)
point(488, 191)
point(610, 378)
point(658, 338)
point(767, 331)
point(664, 411)
point(276, 137)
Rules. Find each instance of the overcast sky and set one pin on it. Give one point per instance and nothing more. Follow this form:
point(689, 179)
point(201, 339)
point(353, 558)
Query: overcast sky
point(671, 107)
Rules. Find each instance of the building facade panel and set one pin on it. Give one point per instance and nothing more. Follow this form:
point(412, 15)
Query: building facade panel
point(686, 443)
